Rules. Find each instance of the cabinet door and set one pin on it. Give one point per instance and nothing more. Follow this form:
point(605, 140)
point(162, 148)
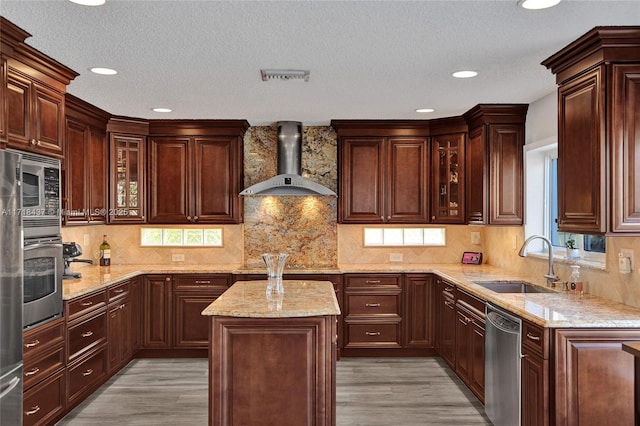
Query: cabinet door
point(407, 180)
point(170, 170)
point(77, 153)
point(447, 189)
point(505, 174)
point(157, 312)
point(216, 183)
point(625, 148)
point(120, 334)
point(361, 180)
point(463, 343)
point(593, 377)
point(419, 317)
point(48, 120)
point(448, 331)
point(98, 175)
point(136, 315)
point(476, 377)
point(127, 159)
point(192, 328)
point(19, 110)
point(534, 388)
point(475, 181)
point(581, 154)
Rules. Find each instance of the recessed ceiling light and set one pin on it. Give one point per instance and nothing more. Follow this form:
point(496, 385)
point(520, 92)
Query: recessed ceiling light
point(464, 74)
point(104, 71)
point(537, 4)
point(161, 109)
point(425, 110)
point(88, 2)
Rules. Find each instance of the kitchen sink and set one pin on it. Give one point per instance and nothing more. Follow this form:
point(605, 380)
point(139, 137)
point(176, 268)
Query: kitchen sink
point(512, 287)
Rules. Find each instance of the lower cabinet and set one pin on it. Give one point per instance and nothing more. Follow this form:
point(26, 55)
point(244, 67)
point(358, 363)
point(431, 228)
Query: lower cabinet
point(120, 313)
point(156, 301)
point(419, 311)
point(43, 373)
point(447, 322)
point(469, 353)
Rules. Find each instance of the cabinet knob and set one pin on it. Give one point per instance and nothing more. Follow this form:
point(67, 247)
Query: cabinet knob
point(388, 217)
point(32, 141)
point(168, 279)
point(189, 218)
point(195, 218)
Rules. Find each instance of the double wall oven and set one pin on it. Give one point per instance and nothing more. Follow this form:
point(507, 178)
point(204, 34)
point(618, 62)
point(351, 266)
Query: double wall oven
point(42, 245)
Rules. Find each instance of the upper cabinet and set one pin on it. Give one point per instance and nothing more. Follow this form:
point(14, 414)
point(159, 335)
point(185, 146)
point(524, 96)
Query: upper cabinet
point(127, 170)
point(598, 79)
point(85, 163)
point(494, 164)
point(32, 108)
point(383, 170)
point(196, 171)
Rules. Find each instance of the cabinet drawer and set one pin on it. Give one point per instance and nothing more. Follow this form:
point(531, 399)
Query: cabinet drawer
point(471, 301)
point(119, 291)
point(45, 402)
point(87, 334)
point(87, 373)
point(373, 304)
point(43, 337)
point(535, 338)
point(83, 305)
point(377, 335)
point(372, 280)
point(37, 369)
point(222, 281)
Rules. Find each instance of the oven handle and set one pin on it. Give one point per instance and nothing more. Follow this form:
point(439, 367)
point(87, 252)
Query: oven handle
point(42, 245)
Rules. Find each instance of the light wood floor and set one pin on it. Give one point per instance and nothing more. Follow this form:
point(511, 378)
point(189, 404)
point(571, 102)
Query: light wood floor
point(370, 391)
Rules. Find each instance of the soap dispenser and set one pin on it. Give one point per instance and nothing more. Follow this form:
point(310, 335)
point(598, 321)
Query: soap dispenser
point(575, 284)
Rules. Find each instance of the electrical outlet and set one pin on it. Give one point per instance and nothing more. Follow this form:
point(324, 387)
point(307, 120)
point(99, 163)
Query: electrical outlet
point(515, 242)
point(396, 257)
point(625, 266)
point(85, 240)
point(177, 257)
point(475, 237)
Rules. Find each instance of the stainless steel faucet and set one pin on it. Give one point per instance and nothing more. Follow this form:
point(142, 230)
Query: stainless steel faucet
point(551, 275)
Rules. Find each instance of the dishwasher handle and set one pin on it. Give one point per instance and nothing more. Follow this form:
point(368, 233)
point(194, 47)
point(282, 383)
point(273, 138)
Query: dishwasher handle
point(503, 323)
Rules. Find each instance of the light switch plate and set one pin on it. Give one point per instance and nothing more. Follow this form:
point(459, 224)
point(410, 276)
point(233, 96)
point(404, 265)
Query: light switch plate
point(396, 257)
point(177, 257)
point(475, 237)
point(85, 240)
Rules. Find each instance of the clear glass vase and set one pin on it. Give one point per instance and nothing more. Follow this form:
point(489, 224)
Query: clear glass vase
point(275, 263)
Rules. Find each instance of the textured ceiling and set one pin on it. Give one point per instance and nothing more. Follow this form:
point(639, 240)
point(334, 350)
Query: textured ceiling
point(370, 60)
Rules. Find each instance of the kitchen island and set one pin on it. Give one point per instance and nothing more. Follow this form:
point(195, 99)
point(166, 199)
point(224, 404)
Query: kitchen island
point(272, 355)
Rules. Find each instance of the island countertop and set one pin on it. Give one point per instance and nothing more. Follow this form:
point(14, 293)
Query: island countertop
point(301, 298)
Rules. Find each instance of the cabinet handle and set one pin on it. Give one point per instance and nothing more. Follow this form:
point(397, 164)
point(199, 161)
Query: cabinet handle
point(189, 218)
point(122, 306)
point(87, 334)
point(373, 281)
point(195, 218)
point(168, 279)
point(388, 217)
point(88, 372)
point(372, 333)
point(32, 142)
point(86, 304)
point(203, 282)
point(533, 337)
point(449, 289)
point(118, 290)
point(32, 344)
point(33, 410)
point(372, 305)
point(34, 370)
point(449, 304)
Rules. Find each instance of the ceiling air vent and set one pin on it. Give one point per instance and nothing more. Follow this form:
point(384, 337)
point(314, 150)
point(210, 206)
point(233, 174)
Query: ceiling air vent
point(284, 75)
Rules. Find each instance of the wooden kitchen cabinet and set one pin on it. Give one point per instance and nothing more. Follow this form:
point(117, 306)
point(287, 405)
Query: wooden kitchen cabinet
point(447, 183)
point(32, 107)
point(120, 317)
point(85, 163)
point(469, 346)
point(535, 374)
point(598, 143)
point(127, 170)
point(4, 118)
point(419, 311)
point(196, 174)
point(383, 169)
point(494, 164)
point(192, 293)
point(157, 308)
point(43, 373)
point(447, 322)
point(373, 312)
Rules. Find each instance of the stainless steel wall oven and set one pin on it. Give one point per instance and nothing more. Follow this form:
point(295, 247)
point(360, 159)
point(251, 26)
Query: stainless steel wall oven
point(43, 268)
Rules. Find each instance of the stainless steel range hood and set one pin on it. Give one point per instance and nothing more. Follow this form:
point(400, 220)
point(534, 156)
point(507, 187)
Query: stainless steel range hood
point(288, 181)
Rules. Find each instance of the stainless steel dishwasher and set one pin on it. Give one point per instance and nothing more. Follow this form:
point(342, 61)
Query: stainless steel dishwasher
point(502, 367)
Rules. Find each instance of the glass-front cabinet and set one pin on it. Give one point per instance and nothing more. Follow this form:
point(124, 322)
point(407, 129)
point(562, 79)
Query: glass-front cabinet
point(448, 178)
point(127, 199)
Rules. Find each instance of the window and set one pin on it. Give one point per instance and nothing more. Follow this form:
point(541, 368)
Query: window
point(542, 205)
point(376, 237)
point(183, 237)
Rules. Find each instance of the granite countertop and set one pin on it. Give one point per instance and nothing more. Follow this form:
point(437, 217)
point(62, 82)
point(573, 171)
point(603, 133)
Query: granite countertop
point(253, 299)
point(555, 310)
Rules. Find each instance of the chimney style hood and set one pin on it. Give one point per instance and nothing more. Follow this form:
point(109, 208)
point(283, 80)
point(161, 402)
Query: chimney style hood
point(289, 180)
